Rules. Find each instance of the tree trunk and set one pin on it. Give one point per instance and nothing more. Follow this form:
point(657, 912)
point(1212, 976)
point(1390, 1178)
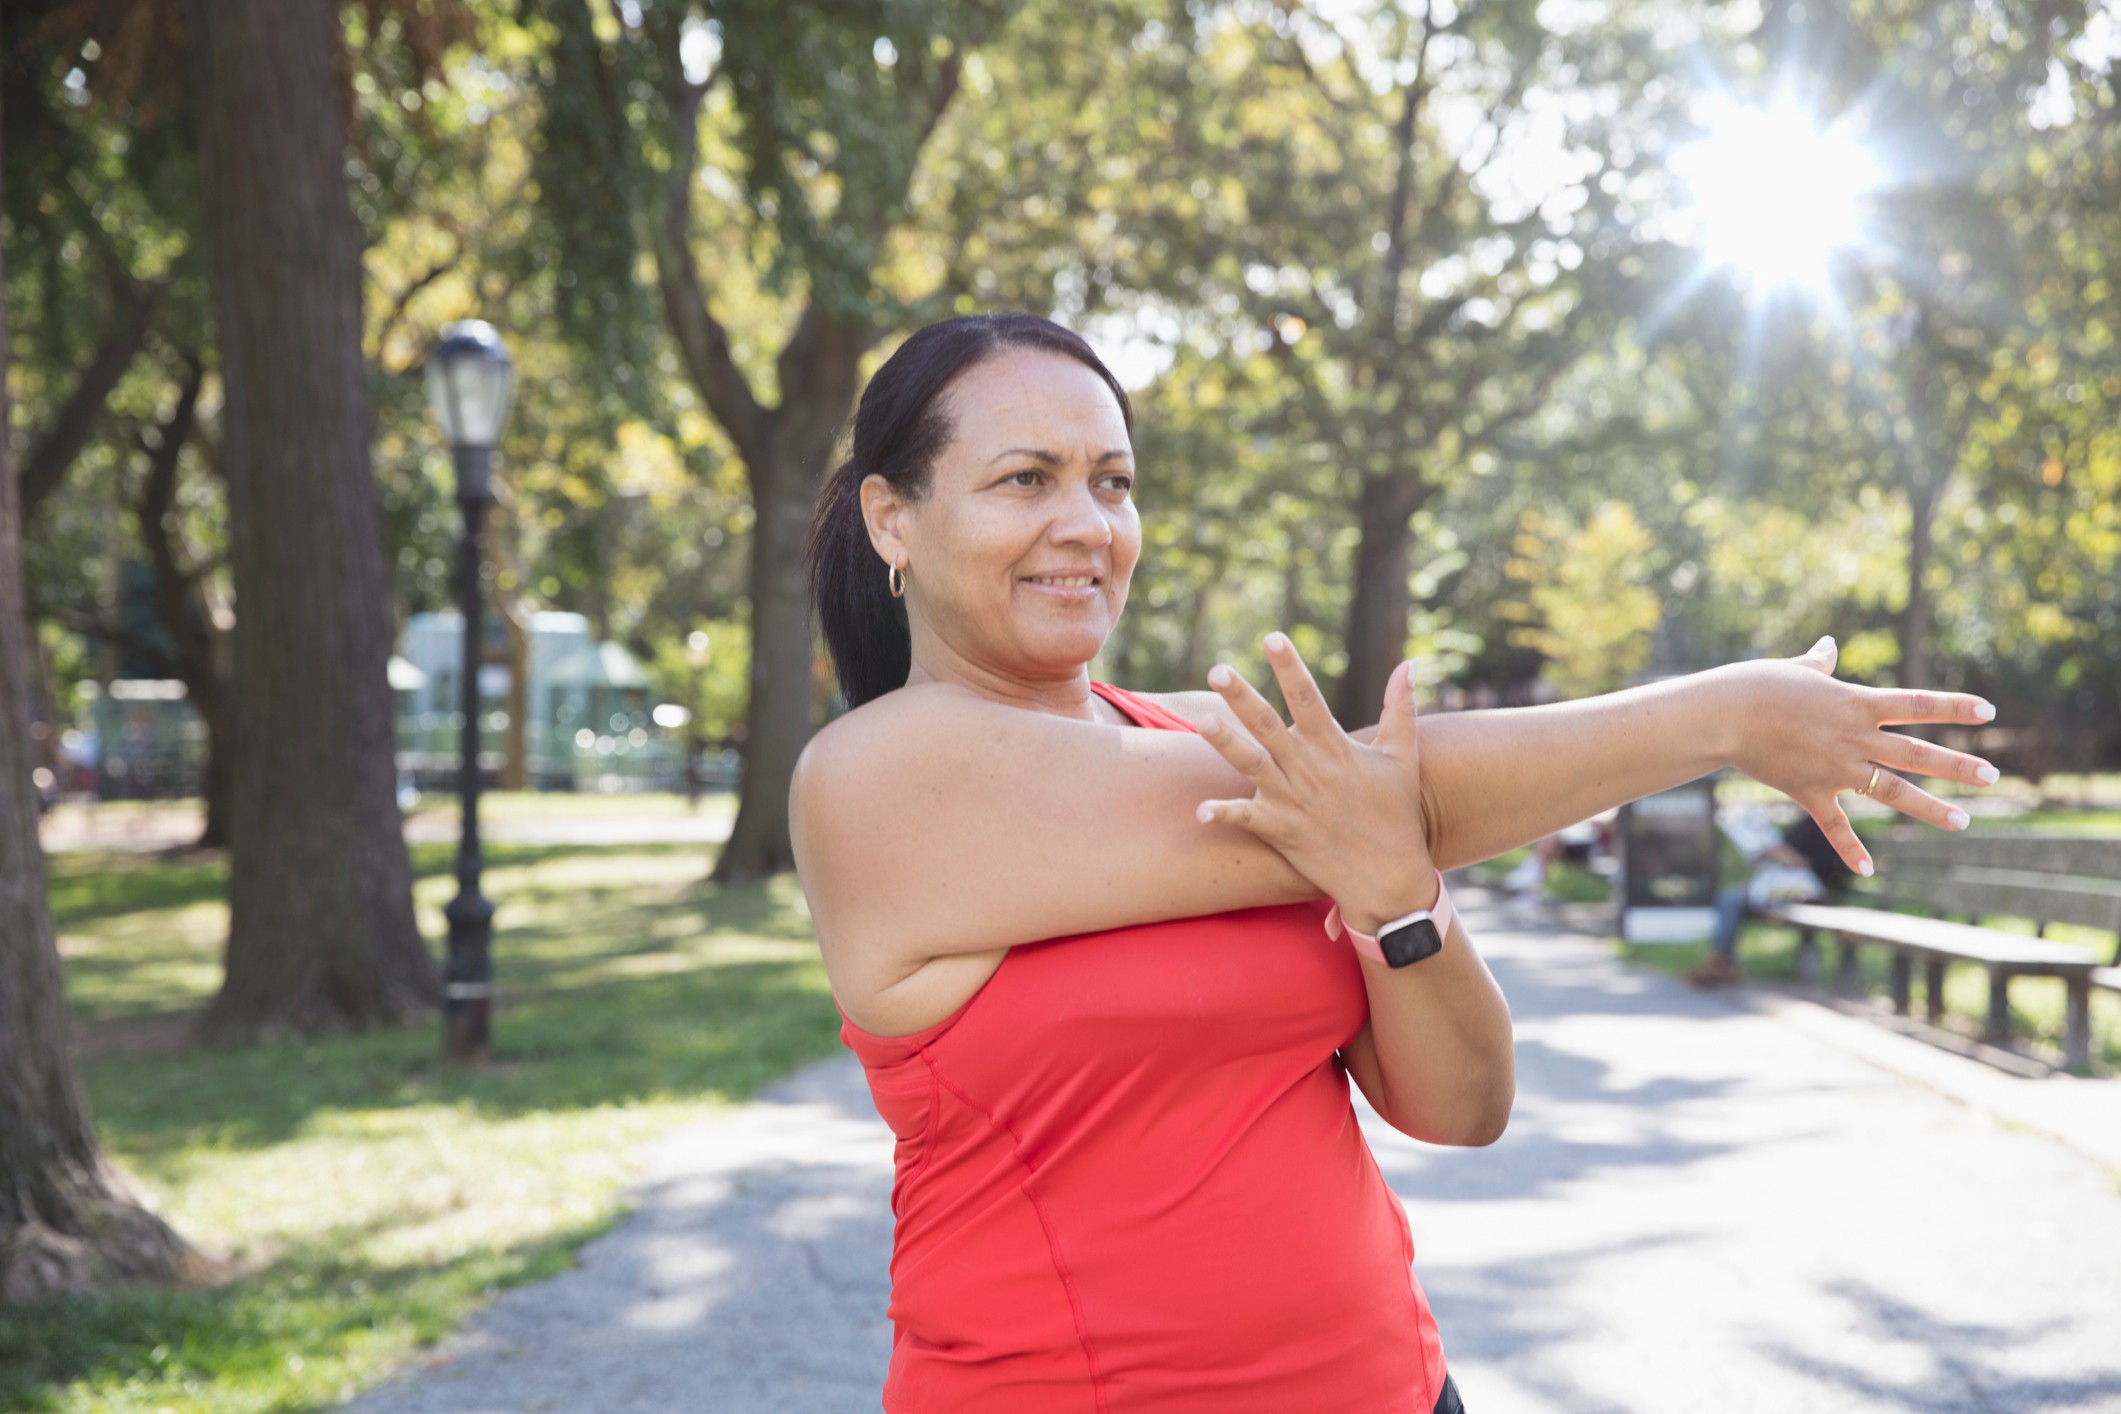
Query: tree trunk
point(820, 370)
point(182, 611)
point(209, 698)
point(785, 450)
point(1193, 651)
point(778, 723)
point(321, 928)
point(1377, 614)
point(64, 1223)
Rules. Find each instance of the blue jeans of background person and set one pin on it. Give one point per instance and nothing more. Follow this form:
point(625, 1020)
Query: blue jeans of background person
point(1730, 917)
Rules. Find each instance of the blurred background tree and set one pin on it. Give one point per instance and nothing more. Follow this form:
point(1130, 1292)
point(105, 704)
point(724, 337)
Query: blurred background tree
point(66, 1223)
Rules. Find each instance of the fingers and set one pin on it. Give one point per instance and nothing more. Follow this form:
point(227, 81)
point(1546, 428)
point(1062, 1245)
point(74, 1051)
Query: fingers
point(1822, 655)
point(1894, 707)
point(1924, 758)
point(1255, 713)
point(1898, 794)
point(1307, 705)
point(1228, 812)
point(1238, 749)
point(1396, 724)
point(1842, 835)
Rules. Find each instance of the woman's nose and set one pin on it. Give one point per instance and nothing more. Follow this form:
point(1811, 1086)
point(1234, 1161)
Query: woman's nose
point(1081, 520)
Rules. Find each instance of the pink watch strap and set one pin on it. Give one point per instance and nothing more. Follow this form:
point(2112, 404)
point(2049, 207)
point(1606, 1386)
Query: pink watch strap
point(1439, 912)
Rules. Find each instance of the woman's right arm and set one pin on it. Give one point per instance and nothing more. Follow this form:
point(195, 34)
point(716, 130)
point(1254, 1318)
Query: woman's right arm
point(932, 822)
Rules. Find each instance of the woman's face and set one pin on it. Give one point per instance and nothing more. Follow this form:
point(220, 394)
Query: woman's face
point(1017, 558)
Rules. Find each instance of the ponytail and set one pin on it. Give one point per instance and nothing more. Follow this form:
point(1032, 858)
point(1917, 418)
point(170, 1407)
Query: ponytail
point(900, 427)
point(864, 623)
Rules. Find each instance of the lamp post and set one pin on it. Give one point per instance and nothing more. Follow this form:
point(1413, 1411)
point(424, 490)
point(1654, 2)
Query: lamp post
point(469, 381)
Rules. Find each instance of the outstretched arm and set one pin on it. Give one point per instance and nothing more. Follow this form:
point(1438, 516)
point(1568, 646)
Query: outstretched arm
point(1494, 780)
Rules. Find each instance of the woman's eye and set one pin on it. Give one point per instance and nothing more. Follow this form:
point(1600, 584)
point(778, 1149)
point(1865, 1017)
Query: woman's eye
point(1124, 483)
point(1018, 476)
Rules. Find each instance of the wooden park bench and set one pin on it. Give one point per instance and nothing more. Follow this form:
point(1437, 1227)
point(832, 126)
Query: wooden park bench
point(2046, 878)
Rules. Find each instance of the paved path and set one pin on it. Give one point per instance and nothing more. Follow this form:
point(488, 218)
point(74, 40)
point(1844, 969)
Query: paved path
point(1705, 1204)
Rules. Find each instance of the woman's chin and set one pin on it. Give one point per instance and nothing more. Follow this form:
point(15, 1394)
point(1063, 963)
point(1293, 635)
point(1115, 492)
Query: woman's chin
point(1070, 647)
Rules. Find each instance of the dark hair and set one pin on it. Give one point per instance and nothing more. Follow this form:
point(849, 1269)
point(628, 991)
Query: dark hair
point(899, 427)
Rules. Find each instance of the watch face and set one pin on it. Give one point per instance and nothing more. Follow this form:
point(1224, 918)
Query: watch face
point(1407, 945)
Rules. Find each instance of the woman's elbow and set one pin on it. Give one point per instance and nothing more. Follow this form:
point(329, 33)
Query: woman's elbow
point(1473, 1125)
point(1487, 1127)
point(1481, 1128)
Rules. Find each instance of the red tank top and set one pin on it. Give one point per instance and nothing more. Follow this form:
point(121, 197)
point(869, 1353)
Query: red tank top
point(1129, 1179)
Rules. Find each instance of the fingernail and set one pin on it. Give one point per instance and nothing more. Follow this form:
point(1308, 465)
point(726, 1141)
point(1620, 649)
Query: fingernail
point(1987, 775)
point(1211, 726)
point(1864, 869)
point(1277, 641)
point(1410, 672)
point(1984, 711)
point(1957, 819)
point(1826, 640)
point(1219, 675)
point(1205, 815)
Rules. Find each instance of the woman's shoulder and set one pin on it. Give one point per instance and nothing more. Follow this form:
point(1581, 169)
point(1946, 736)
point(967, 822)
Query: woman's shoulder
point(915, 731)
point(914, 719)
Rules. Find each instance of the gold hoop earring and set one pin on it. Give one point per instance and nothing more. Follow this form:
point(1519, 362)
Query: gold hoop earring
point(897, 580)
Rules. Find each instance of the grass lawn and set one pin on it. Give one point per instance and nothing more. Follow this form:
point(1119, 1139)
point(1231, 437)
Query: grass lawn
point(363, 1199)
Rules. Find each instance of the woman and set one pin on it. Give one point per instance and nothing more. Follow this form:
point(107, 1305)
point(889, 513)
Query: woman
point(1084, 939)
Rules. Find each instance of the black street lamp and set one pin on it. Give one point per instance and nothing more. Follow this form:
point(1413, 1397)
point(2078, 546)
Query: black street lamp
point(469, 382)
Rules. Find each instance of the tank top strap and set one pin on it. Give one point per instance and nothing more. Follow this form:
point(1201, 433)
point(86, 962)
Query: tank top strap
point(1144, 712)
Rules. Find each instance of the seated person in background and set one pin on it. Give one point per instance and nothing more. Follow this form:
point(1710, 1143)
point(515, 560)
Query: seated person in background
point(1793, 864)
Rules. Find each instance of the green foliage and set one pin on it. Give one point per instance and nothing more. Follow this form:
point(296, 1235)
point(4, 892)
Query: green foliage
point(1211, 192)
point(707, 669)
point(1588, 609)
point(594, 180)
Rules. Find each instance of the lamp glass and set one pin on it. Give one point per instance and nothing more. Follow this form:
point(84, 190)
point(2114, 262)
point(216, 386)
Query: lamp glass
point(470, 381)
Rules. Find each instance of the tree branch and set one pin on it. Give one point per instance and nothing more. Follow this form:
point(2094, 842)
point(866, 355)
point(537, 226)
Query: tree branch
point(1413, 95)
point(116, 634)
point(173, 583)
point(405, 297)
point(44, 469)
point(702, 341)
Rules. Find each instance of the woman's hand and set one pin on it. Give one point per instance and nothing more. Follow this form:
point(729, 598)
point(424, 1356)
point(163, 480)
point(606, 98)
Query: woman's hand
point(1812, 737)
point(1345, 814)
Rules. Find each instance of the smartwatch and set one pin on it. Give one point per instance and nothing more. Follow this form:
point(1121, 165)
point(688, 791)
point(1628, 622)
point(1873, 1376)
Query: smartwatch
point(1405, 940)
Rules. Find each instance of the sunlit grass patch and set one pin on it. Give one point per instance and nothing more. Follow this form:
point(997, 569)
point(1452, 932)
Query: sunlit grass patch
point(363, 1197)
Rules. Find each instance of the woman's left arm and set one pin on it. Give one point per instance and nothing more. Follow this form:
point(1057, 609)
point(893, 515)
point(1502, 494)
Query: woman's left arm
point(1493, 780)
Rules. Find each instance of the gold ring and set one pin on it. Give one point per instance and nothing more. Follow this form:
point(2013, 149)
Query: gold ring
point(1871, 784)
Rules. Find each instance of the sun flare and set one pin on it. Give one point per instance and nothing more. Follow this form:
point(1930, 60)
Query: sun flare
point(1775, 197)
